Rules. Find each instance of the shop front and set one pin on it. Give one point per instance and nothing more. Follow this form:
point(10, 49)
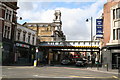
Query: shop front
point(111, 56)
point(24, 53)
point(7, 53)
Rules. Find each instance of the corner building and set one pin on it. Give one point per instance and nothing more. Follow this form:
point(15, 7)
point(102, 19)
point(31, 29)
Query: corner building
point(111, 42)
point(8, 23)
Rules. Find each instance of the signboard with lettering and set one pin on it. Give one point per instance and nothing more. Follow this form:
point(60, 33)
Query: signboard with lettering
point(22, 45)
point(99, 28)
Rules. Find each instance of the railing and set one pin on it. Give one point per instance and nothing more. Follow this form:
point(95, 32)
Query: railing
point(70, 43)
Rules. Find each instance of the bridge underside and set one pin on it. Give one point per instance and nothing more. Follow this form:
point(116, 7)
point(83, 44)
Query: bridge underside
point(70, 47)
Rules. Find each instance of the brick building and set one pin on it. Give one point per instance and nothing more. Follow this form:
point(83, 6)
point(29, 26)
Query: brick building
point(111, 29)
point(7, 29)
point(49, 31)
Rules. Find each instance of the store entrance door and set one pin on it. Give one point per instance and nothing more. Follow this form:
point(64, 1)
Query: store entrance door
point(115, 60)
point(22, 56)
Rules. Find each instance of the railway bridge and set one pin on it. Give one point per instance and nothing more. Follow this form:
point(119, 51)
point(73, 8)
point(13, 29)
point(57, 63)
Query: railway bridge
point(56, 49)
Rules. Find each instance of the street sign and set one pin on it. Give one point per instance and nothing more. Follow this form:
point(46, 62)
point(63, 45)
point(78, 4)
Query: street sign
point(99, 28)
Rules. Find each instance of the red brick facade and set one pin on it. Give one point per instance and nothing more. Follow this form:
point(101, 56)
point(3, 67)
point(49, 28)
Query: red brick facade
point(7, 25)
point(107, 21)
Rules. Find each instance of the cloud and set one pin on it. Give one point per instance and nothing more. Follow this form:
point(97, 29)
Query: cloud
point(74, 23)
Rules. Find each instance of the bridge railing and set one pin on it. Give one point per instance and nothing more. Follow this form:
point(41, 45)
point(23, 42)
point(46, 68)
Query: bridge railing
point(70, 43)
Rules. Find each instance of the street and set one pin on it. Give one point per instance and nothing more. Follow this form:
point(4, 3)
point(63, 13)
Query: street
point(53, 73)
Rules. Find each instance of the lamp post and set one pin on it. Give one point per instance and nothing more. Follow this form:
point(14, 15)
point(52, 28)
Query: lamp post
point(91, 31)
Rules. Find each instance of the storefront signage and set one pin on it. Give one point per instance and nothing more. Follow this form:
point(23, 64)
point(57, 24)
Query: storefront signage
point(99, 28)
point(22, 45)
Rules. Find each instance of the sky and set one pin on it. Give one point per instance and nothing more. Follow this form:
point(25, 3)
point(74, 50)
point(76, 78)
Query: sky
point(73, 15)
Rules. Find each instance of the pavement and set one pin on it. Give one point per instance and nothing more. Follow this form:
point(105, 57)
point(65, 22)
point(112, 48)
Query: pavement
point(100, 69)
point(112, 71)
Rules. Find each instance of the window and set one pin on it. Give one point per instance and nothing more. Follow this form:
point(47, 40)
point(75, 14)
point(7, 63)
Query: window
point(119, 33)
point(33, 39)
point(28, 38)
point(113, 34)
point(24, 35)
point(118, 13)
point(8, 14)
point(7, 32)
point(47, 29)
point(18, 37)
point(113, 13)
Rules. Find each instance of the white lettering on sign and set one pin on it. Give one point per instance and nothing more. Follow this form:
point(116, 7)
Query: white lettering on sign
point(22, 45)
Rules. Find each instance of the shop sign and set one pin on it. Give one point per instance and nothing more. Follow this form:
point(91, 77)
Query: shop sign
point(116, 50)
point(22, 45)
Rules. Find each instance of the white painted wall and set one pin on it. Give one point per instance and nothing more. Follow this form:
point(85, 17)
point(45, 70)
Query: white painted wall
point(22, 28)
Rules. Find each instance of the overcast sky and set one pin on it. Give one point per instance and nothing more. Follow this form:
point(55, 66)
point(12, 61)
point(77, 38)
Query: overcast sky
point(73, 14)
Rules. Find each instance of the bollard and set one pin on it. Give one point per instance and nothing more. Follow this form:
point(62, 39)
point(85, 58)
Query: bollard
point(35, 63)
point(97, 66)
point(107, 66)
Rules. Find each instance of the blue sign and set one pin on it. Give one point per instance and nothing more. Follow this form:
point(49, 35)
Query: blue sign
point(99, 28)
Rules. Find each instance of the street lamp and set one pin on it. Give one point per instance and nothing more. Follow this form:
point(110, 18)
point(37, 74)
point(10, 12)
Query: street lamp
point(91, 31)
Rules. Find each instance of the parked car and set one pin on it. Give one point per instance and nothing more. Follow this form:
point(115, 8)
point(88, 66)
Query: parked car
point(80, 62)
point(65, 61)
